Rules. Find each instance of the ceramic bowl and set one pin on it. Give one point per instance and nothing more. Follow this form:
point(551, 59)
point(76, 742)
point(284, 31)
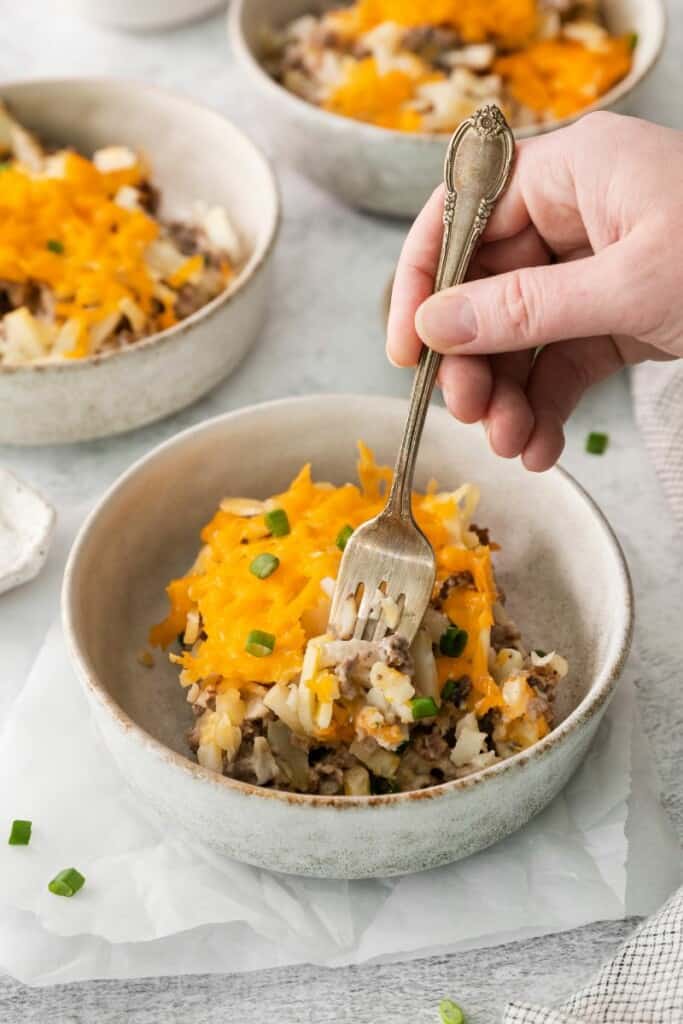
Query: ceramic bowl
point(134, 16)
point(195, 154)
point(561, 567)
point(374, 168)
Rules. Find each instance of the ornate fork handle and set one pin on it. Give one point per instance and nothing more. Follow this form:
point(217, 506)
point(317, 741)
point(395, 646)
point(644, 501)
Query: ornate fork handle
point(476, 170)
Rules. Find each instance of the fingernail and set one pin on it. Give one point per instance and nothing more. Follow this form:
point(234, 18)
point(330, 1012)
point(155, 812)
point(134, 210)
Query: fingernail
point(391, 358)
point(446, 321)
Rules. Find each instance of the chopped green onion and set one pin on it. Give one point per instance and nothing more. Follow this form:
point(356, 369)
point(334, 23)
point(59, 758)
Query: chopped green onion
point(20, 834)
point(449, 690)
point(379, 785)
point(343, 537)
point(453, 642)
point(67, 882)
point(277, 522)
point(259, 643)
point(632, 41)
point(540, 652)
point(450, 1012)
point(54, 246)
point(264, 565)
point(596, 443)
point(423, 707)
point(455, 689)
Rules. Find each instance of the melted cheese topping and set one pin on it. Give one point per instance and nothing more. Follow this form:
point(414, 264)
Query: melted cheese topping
point(232, 601)
point(67, 233)
point(471, 610)
point(509, 22)
point(562, 76)
point(551, 77)
point(380, 99)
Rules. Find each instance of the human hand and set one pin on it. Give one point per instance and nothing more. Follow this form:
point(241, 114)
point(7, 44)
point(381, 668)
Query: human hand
point(585, 246)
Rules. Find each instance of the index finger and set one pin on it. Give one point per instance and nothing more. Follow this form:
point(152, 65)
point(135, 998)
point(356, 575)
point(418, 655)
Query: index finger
point(414, 280)
point(416, 270)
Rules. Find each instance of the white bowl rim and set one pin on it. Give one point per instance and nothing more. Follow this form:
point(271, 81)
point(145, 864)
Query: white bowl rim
point(601, 689)
point(256, 259)
point(618, 91)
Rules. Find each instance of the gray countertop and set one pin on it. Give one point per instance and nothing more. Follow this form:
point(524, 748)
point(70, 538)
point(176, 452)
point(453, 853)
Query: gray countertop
point(325, 334)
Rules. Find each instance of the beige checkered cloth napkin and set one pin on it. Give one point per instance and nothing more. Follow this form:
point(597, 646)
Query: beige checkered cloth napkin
point(643, 984)
point(658, 397)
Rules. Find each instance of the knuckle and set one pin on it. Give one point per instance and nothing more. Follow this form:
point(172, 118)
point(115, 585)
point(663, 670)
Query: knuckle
point(577, 372)
point(596, 123)
point(520, 304)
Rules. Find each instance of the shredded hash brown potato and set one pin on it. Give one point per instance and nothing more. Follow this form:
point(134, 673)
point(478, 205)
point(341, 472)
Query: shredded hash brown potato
point(425, 66)
point(280, 702)
point(86, 263)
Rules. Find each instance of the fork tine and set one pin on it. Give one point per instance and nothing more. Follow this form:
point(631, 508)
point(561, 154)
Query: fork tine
point(364, 611)
point(374, 623)
point(381, 629)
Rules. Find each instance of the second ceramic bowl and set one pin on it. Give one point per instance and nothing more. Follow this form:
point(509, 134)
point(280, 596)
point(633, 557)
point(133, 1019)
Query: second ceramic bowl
point(560, 565)
point(194, 154)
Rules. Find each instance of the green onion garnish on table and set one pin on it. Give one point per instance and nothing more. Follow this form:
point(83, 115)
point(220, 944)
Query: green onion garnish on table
point(450, 1012)
point(264, 565)
point(260, 644)
point(67, 882)
point(453, 642)
point(423, 707)
point(596, 443)
point(277, 522)
point(343, 537)
point(20, 833)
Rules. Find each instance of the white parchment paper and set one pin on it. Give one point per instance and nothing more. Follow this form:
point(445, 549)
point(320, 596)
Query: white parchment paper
point(154, 903)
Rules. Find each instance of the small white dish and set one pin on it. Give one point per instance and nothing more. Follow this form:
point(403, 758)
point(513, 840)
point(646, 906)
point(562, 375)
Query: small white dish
point(374, 168)
point(561, 567)
point(195, 154)
point(27, 523)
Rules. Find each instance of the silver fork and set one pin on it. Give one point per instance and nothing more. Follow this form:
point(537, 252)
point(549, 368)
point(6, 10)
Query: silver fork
point(388, 569)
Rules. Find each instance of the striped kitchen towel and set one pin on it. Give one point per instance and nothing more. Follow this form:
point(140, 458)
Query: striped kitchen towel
point(643, 984)
point(658, 399)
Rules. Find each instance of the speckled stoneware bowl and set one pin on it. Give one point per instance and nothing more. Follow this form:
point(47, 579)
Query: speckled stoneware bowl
point(195, 154)
point(561, 567)
point(374, 168)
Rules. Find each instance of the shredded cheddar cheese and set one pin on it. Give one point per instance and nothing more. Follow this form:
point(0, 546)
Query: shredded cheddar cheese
point(412, 66)
point(232, 601)
point(510, 22)
point(368, 95)
point(281, 697)
point(563, 76)
point(99, 256)
point(85, 263)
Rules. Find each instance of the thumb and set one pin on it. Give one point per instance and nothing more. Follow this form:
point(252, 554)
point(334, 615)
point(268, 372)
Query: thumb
point(529, 307)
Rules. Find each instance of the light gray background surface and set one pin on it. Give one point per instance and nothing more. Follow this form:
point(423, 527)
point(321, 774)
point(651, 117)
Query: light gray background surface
point(325, 334)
